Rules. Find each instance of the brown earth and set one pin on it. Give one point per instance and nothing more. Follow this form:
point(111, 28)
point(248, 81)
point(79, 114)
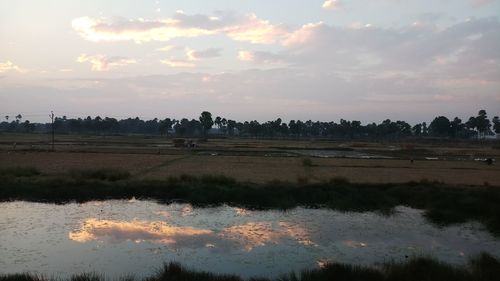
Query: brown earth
point(261, 169)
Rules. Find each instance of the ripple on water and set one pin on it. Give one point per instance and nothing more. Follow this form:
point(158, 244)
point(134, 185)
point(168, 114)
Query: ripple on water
point(139, 236)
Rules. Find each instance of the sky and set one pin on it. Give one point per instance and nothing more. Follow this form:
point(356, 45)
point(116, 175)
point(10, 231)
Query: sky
point(365, 60)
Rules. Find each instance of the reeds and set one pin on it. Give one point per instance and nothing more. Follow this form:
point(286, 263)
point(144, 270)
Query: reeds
point(482, 268)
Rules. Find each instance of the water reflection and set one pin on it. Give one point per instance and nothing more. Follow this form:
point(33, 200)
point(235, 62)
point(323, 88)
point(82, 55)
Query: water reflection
point(252, 234)
point(248, 236)
point(125, 237)
point(241, 212)
point(136, 231)
point(354, 244)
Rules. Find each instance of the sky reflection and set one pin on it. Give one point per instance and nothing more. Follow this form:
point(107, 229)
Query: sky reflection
point(247, 236)
point(121, 237)
point(136, 231)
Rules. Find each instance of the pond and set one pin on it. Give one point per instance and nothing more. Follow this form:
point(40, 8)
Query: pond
point(116, 238)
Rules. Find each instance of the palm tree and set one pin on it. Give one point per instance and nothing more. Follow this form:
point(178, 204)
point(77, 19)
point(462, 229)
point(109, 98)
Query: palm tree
point(206, 121)
point(18, 118)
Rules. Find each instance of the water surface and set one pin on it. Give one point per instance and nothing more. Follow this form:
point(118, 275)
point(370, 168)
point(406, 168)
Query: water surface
point(137, 237)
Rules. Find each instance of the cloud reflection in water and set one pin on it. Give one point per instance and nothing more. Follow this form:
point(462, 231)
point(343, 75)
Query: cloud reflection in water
point(137, 231)
point(246, 236)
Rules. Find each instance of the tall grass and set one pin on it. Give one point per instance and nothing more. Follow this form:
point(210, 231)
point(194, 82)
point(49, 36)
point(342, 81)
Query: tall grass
point(100, 174)
point(443, 204)
point(307, 162)
point(481, 268)
point(19, 172)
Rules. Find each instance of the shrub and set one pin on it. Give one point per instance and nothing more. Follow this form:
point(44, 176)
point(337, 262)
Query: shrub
point(100, 174)
point(19, 172)
point(307, 162)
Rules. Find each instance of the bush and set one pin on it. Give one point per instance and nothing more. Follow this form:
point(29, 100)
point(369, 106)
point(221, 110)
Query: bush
point(100, 174)
point(19, 172)
point(307, 162)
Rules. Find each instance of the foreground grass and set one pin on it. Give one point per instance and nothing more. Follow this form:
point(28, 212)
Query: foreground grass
point(443, 204)
point(482, 268)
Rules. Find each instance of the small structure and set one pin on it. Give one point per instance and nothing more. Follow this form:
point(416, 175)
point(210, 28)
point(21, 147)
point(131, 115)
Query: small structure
point(489, 161)
point(183, 143)
point(179, 142)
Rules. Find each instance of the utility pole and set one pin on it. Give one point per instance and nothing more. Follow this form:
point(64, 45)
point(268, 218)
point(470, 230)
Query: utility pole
point(52, 118)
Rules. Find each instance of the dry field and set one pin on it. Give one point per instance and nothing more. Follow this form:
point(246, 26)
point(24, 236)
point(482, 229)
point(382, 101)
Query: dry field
point(255, 160)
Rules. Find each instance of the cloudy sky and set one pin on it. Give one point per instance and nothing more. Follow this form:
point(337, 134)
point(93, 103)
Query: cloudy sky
point(256, 59)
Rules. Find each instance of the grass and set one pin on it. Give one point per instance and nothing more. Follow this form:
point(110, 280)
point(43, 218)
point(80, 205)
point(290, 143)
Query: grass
point(443, 204)
point(100, 174)
point(482, 268)
point(307, 162)
point(19, 172)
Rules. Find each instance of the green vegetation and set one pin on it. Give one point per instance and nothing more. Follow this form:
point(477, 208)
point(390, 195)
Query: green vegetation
point(307, 162)
point(100, 174)
point(440, 126)
point(19, 172)
point(443, 204)
point(482, 268)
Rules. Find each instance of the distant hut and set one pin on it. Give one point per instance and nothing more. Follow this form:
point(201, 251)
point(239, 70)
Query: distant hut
point(179, 142)
point(184, 143)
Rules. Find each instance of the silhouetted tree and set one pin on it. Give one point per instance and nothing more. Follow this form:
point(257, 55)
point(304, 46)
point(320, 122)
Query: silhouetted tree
point(480, 123)
point(440, 127)
point(483, 123)
point(165, 125)
point(456, 127)
point(18, 118)
point(29, 127)
point(417, 130)
point(231, 125)
point(218, 122)
point(496, 124)
point(206, 121)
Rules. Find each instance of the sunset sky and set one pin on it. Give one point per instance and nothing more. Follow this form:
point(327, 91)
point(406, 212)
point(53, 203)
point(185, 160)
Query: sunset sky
point(257, 59)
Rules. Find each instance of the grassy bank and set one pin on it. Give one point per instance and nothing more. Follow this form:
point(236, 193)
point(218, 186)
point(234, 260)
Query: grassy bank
point(444, 204)
point(482, 268)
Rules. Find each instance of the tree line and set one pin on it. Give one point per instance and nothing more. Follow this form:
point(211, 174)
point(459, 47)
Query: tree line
point(478, 126)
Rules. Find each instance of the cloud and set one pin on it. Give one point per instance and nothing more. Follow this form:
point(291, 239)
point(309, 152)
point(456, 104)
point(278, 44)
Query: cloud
point(240, 28)
point(330, 91)
point(246, 56)
point(467, 47)
point(178, 63)
point(257, 31)
point(9, 66)
point(140, 30)
point(331, 5)
point(193, 55)
point(303, 34)
point(167, 48)
point(480, 3)
point(260, 57)
point(103, 63)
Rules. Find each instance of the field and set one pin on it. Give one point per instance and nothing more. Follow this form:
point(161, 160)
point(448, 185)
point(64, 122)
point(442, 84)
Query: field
point(259, 161)
point(450, 182)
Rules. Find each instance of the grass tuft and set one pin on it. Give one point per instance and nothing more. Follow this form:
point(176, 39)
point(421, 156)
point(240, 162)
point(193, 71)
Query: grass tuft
point(482, 268)
point(307, 162)
point(100, 174)
point(86, 277)
point(19, 172)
